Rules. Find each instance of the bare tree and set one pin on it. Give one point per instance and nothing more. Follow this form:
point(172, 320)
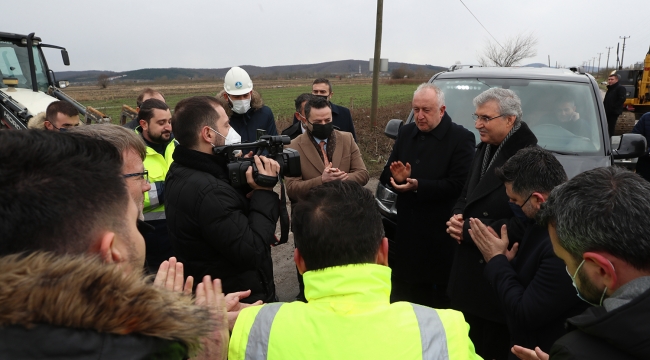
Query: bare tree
point(102, 81)
point(512, 52)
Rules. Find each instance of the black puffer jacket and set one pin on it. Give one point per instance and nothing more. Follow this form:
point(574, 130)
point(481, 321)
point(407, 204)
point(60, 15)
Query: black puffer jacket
point(216, 230)
point(614, 99)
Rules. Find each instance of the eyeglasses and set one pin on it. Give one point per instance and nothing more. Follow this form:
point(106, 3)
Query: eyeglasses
point(138, 176)
point(484, 118)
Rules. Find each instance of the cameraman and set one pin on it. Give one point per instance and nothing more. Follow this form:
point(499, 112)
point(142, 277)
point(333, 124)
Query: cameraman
point(215, 229)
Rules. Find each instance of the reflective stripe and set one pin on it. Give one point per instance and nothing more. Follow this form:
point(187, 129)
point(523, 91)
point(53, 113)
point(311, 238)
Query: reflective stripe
point(156, 215)
point(432, 333)
point(153, 196)
point(258, 337)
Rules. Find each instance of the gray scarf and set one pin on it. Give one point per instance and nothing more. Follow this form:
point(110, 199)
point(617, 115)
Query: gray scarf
point(488, 150)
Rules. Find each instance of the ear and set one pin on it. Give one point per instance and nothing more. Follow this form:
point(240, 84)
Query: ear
point(382, 253)
point(144, 124)
point(442, 110)
point(107, 248)
point(300, 262)
point(48, 125)
point(539, 199)
point(205, 135)
point(601, 270)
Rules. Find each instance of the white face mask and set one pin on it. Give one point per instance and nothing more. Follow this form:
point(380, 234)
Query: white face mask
point(240, 106)
point(231, 138)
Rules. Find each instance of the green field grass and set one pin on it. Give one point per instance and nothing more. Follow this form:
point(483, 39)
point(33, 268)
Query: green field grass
point(280, 99)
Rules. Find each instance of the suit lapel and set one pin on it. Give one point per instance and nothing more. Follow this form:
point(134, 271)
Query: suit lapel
point(338, 152)
point(489, 182)
point(309, 151)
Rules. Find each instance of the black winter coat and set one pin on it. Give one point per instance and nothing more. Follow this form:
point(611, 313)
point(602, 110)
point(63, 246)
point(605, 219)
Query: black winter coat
point(643, 164)
point(215, 230)
point(440, 161)
point(247, 124)
point(534, 291)
point(484, 199)
point(614, 99)
point(620, 334)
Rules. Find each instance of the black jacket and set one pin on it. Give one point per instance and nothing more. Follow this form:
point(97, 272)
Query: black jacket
point(486, 200)
point(215, 230)
point(440, 161)
point(341, 118)
point(643, 127)
point(247, 124)
point(619, 334)
point(534, 291)
point(614, 99)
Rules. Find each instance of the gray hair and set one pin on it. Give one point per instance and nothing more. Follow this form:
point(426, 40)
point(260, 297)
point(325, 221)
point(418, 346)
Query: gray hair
point(508, 102)
point(122, 138)
point(604, 209)
point(439, 94)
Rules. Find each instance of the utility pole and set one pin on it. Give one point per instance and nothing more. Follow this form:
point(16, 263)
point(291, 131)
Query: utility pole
point(623, 52)
point(599, 55)
point(607, 66)
point(593, 64)
point(376, 64)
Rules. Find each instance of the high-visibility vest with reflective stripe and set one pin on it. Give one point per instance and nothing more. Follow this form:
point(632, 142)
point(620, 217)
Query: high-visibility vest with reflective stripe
point(351, 319)
point(157, 166)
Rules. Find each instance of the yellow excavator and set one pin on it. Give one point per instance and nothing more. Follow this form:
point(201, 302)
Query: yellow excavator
point(637, 87)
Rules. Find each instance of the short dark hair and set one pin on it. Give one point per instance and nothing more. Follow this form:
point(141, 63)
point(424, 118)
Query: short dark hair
point(617, 76)
point(603, 209)
point(191, 115)
point(301, 99)
point(315, 102)
point(62, 107)
point(532, 169)
point(336, 224)
point(323, 81)
point(147, 91)
point(147, 109)
point(57, 190)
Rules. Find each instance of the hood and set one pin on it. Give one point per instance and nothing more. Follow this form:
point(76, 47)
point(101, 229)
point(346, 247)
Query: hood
point(37, 121)
point(35, 102)
point(82, 292)
point(256, 101)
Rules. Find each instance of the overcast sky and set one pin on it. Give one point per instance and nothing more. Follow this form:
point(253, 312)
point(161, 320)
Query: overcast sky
point(132, 34)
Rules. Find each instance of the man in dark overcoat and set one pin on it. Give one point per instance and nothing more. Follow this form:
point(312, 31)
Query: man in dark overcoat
point(502, 133)
point(427, 168)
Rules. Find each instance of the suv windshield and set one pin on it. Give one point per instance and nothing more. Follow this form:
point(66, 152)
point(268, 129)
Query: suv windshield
point(563, 115)
point(14, 63)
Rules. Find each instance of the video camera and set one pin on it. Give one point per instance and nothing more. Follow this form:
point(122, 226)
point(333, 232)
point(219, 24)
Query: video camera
point(289, 159)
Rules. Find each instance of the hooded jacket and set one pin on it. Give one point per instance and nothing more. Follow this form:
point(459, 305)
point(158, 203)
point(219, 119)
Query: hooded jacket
point(76, 307)
point(259, 116)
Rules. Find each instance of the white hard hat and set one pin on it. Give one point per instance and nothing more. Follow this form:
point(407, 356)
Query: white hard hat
point(237, 81)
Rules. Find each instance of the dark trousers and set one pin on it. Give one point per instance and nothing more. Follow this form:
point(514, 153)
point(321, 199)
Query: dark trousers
point(159, 248)
point(430, 295)
point(491, 339)
point(611, 124)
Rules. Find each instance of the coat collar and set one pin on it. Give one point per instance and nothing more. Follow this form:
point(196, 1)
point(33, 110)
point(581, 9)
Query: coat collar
point(197, 160)
point(349, 284)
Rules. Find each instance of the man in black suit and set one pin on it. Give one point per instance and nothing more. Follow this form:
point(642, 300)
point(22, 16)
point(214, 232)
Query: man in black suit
point(427, 168)
point(613, 101)
point(498, 120)
point(529, 280)
point(341, 117)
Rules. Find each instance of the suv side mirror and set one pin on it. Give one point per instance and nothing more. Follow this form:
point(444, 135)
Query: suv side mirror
point(66, 58)
point(392, 128)
point(631, 146)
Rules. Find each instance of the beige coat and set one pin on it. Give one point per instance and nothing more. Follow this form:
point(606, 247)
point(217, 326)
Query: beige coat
point(346, 157)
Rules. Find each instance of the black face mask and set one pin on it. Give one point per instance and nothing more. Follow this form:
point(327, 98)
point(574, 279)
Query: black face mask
point(322, 131)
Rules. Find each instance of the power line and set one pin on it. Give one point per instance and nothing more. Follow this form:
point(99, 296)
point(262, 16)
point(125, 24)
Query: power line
point(470, 11)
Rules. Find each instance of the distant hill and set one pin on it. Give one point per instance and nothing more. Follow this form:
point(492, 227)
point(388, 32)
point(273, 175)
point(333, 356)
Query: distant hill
point(332, 68)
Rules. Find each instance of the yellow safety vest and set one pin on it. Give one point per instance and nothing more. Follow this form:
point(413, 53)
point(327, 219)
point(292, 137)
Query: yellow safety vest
point(157, 166)
point(349, 316)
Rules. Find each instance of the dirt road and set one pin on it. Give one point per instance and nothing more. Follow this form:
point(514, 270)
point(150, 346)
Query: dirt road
point(284, 269)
